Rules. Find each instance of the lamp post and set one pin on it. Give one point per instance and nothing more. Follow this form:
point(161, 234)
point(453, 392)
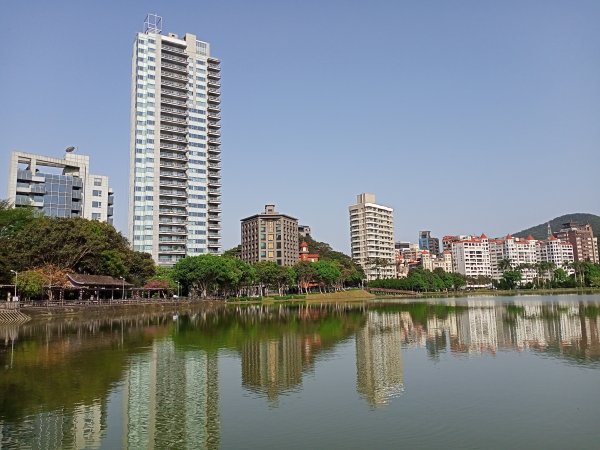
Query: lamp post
point(123, 294)
point(16, 279)
point(177, 289)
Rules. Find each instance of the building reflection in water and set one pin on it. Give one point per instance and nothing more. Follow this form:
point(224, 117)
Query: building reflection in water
point(379, 366)
point(171, 399)
point(273, 366)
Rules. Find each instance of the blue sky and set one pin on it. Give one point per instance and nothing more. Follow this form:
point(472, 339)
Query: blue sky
point(464, 116)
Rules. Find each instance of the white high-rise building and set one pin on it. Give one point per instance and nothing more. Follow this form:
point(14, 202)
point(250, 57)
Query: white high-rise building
point(520, 252)
point(175, 166)
point(471, 255)
point(372, 237)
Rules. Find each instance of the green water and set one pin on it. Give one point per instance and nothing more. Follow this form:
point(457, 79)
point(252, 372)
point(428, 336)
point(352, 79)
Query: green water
point(518, 372)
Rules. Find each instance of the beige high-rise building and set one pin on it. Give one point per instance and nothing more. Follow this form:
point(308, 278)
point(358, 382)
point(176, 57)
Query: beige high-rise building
point(175, 153)
point(372, 237)
point(270, 236)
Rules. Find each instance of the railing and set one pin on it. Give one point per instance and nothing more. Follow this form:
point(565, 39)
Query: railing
point(178, 212)
point(173, 110)
point(167, 65)
point(172, 155)
point(174, 165)
point(174, 58)
point(214, 141)
point(177, 76)
point(173, 146)
point(172, 128)
point(173, 84)
point(172, 192)
point(214, 191)
point(214, 166)
point(170, 48)
point(173, 174)
point(214, 149)
point(173, 137)
point(214, 99)
point(214, 91)
point(214, 66)
point(172, 102)
point(172, 119)
point(174, 93)
point(214, 116)
point(170, 220)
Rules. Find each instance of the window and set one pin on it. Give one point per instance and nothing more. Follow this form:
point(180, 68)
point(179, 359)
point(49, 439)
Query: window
point(96, 204)
point(96, 216)
point(98, 181)
point(96, 193)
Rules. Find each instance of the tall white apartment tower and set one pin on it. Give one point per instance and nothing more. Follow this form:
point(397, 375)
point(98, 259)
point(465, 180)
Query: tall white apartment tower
point(175, 152)
point(372, 237)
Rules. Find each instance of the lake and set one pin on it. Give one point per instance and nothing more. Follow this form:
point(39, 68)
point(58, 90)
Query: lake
point(482, 372)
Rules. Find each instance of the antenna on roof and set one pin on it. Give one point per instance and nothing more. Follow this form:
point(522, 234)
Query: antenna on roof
point(153, 23)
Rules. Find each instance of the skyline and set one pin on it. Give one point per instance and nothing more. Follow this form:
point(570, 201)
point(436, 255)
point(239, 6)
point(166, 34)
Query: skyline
point(522, 110)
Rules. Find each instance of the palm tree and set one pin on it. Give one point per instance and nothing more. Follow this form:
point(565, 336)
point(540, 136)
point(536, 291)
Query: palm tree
point(504, 264)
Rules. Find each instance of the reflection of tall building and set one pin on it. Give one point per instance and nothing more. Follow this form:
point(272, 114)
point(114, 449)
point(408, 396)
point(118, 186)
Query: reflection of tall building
point(272, 366)
point(379, 367)
point(171, 399)
point(81, 428)
point(476, 326)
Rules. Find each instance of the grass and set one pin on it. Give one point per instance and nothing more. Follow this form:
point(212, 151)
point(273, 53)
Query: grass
point(352, 295)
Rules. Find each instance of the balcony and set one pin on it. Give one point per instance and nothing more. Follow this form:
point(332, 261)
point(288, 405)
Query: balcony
point(213, 106)
point(173, 119)
point(214, 84)
point(171, 220)
point(172, 230)
point(173, 165)
point(212, 99)
point(214, 141)
point(214, 132)
point(173, 155)
point(173, 174)
point(172, 49)
point(172, 240)
point(173, 212)
point(174, 67)
point(214, 192)
point(214, 184)
point(214, 66)
point(182, 130)
point(173, 75)
point(171, 250)
point(173, 137)
point(214, 115)
point(214, 159)
point(175, 85)
point(174, 58)
point(214, 166)
point(180, 148)
point(214, 149)
point(173, 93)
point(214, 210)
point(214, 75)
point(173, 192)
point(166, 109)
point(214, 125)
point(214, 175)
point(214, 91)
point(170, 101)
point(214, 227)
point(214, 201)
point(180, 184)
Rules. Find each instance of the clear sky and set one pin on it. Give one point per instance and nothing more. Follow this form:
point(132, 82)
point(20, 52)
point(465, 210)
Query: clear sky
point(464, 116)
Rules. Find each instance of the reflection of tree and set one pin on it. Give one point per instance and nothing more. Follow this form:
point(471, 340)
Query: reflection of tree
point(379, 366)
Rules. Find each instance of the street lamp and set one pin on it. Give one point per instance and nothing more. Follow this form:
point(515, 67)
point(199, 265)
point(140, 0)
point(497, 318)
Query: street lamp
point(123, 294)
point(16, 278)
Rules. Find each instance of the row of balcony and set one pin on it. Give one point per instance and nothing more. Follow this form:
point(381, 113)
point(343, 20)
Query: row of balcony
point(166, 109)
point(179, 70)
point(173, 165)
point(173, 93)
point(179, 59)
point(174, 84)
point(173, 128)
point(171, 101)
point(173, 49)
point(173, 192)
point(173, 155)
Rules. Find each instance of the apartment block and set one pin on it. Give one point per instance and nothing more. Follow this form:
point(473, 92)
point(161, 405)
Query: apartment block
point(558, 252)
point(175, 148)
point(521, 252)
point(372, 237)
point(270, 236)
point(434, 261)
point(59, 187)
point(581, 237)
point(470, 255)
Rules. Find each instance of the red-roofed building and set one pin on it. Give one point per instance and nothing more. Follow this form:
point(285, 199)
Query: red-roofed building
point(304, 255)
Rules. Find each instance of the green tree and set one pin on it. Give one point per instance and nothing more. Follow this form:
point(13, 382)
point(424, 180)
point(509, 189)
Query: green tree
point(510, 279)
point(327, 273)
point(30, 284)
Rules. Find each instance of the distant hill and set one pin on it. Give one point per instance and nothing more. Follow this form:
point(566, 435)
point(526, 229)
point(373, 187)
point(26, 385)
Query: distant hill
point(541, 231)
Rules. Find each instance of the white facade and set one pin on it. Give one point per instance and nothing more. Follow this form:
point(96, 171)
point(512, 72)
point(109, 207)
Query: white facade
point(522, 254)
point(372, 237)
point(59, 187)
point(175, 153)
point(558, 252)
point(471, 256)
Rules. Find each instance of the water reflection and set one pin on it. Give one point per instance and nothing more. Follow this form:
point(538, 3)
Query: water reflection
point(62, 384)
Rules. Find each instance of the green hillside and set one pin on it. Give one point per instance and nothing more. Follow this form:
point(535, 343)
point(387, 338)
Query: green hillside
point(541, 231)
